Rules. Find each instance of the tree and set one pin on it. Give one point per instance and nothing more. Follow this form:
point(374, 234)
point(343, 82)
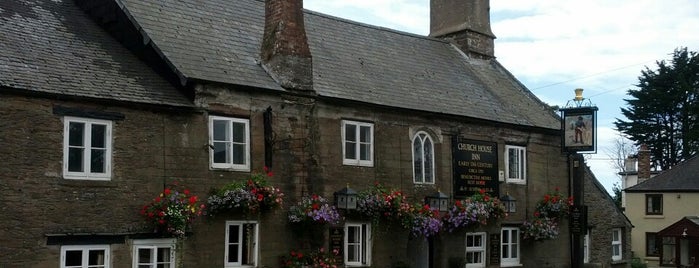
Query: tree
point(664, 110)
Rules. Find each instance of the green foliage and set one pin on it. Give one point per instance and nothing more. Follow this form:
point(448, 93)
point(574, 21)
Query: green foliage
point(664, 112)
point(636, 263)
point(617, 195)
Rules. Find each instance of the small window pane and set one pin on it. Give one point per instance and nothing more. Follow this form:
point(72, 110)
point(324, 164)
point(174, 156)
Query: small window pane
point(221, 150)
point(429, 170)
point(417, 152)
point(239, 154)
point(97, 163)
point(75, 134)
point(164, 255)
point(365, 134)
point(350, 132)
point(239, 132)
point(99, 136)
point(233, 236)
point(96, 257)
point(221, 131)
point(75, 159)
point(233, 253)
point(365, 151)
point(144, 255)
point(74, 258)
point(350, 150)
point(513, 163)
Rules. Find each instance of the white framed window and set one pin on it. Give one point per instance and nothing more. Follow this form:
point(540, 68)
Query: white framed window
point(616, 244)
point(154, 253)
point(475, 250)
point(229, 140)
point(241, 244)
point(357, 143)
point(515, 164)
point(87, 148)
point(423, 158)
point(357, 244)
point(509, 246)
point(88, 256)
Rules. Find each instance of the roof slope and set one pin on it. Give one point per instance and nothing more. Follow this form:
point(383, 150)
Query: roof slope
point(219, 40)
point(683, 177)
point(53, 47)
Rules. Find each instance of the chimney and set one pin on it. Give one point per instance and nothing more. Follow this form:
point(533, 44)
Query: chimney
point(643, 163)
point(284, 52)
point(466, 23)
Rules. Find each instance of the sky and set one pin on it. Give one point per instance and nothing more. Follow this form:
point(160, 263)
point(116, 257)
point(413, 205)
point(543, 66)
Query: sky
point(555, 46)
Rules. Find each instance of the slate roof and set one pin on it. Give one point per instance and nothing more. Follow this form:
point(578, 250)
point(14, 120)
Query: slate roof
point(53, 47)
point(219, 40)
point(683, 177)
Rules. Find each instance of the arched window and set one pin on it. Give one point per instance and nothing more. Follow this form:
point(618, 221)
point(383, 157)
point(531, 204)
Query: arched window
point(423, 158)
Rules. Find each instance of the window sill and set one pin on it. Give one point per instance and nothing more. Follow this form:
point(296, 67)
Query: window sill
point(618, 262)
point(87, 183)
point(511, 265)
point(654, 216)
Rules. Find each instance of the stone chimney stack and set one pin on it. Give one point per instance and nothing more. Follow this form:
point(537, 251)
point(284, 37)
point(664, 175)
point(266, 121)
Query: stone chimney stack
point(284, 52)
point(643, 163)
point(466, 23)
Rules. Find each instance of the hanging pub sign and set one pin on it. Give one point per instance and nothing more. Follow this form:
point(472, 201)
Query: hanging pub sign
point(475, 167)
point(579, 129)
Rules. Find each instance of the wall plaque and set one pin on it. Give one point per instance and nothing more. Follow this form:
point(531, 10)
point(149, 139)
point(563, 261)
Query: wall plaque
point(494, 249)
point(336, 243)
point(578, 219)
point(475, 167)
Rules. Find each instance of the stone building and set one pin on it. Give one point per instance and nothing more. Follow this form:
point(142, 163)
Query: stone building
point(106, 103)
point(608, 237)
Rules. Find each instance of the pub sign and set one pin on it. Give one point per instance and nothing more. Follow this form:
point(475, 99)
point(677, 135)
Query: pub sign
point(579, 129)
point(475, 167)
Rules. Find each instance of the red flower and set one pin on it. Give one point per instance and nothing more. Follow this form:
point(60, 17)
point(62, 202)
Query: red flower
point(315, 206)
point(536, 214)
point(157, 199)
point(166, 191)
point(161, 213)
point(260, 197)
point(482, 191)
point(193, 199)
point(161, 221)
point(186, 191)
point(547, 198)
point(486, 198)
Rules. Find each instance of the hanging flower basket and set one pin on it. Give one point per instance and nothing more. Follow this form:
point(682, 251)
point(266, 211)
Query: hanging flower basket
point(549, 211)
point(540, 229)
point(379, 203)
point(315, 210)
point(172, 211)
point(424, 221)
point(250, 196)
point(555, 205)
point(479, 209)
point(315, 259)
